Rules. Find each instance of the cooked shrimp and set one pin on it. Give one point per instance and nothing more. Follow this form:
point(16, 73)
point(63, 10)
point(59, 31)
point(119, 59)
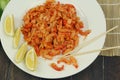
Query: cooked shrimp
point(54, 66)
point(74, 61)
point(69, 60)
point(64, 60)
point(53, 29)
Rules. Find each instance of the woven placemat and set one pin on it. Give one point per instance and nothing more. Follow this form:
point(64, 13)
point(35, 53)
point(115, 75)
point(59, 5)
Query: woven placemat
point(111, 9)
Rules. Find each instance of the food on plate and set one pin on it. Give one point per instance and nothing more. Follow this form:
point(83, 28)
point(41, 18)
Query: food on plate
point(74, 61)
point(9, 25)
point(56, 67)
point(31, 59)
point(64, 60)
point(70, 60)
point(53, 29)
point(21, 53)
point(16, 38)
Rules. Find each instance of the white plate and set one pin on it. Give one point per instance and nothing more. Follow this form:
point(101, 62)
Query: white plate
point(96, 22)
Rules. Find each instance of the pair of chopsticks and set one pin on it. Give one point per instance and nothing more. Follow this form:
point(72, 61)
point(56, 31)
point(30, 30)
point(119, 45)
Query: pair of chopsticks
point(97, 50)
point(92, 40)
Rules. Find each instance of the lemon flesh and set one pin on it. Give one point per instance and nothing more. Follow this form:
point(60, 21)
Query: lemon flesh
point(31, 59)
point(9, 25)
point(16, 38)
point(21, 53)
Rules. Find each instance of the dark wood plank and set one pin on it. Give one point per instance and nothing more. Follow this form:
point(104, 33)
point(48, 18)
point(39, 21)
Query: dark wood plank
point(4, 64)
point(93, 72)
point(67, 78)
point(17, 74)
point(112, 68)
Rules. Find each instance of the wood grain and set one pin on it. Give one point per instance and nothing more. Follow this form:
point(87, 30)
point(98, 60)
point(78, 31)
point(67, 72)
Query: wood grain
point(112, 68)
point(4, 64)
point(17, 74)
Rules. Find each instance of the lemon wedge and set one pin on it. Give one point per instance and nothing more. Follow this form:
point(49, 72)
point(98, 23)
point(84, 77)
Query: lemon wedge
point(16, 38)
point(9, 25)
point(21, 53)
point(31, 59)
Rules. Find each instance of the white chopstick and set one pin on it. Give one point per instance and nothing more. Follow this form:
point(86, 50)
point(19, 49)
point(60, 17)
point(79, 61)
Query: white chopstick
point(96, 50)
point(97, 37)
point(92, 40)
